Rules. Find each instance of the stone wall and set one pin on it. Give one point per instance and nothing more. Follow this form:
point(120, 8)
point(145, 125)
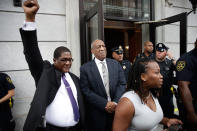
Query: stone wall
point(169, 34)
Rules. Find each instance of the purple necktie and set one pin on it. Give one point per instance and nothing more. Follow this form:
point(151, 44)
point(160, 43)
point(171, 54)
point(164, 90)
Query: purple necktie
point(72, 99)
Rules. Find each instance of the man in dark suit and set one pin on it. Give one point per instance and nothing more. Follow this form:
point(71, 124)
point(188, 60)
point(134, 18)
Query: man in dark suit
point(102, 82)
point(57, 104)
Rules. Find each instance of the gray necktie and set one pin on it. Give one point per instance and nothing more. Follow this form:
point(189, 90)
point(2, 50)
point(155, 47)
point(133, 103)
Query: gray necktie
point(106, 80)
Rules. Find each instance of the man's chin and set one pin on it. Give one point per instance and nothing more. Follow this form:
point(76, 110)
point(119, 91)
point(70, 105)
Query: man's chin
point(102, 58)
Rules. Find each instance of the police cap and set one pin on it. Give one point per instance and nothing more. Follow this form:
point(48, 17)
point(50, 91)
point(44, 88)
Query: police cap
point(117, 49)
point(161, 47)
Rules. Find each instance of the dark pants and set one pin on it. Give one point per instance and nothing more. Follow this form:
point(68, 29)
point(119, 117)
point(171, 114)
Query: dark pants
point(107, 125)
point(6, 120)
point(167, 106)
point(50, 127)
point(182, 113)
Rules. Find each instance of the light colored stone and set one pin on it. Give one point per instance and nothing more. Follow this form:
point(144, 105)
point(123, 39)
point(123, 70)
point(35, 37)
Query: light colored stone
point(170, 34)
point(24, 84)
point(73, 36)
point(50, 27)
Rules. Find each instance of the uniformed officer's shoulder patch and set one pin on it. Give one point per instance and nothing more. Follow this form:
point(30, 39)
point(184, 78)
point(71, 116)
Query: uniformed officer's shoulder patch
point(8, 79)
point(180, 65)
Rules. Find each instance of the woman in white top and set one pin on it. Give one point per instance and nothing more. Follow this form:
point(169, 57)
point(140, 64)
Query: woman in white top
point(139, 109)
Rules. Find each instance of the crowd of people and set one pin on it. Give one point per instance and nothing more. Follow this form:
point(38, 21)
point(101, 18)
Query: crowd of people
point(111, 94)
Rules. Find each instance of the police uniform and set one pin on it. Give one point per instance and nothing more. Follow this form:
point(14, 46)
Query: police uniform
point(126, 65)
point(167, 69)
point(186, 70)
point(142, 55)
point(6, 120)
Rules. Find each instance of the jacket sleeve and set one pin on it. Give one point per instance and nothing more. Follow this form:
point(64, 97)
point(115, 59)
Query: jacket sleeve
point(90, 96)
point(32, 53)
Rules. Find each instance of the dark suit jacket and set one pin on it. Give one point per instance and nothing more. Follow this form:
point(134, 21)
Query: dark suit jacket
point(47, 79)
point(95, 95)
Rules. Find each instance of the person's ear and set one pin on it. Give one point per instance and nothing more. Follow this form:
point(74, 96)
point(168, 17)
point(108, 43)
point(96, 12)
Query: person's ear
point(92, 51)
point(113, 54)
point(54, 60)
point(143, 77)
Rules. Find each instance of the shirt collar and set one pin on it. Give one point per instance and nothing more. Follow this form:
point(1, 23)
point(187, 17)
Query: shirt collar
point(66, 74)
point(97, 61)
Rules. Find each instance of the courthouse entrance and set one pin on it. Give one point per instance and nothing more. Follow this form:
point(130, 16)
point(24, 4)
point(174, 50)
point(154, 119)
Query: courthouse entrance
point(123, 33)
point(113, 22)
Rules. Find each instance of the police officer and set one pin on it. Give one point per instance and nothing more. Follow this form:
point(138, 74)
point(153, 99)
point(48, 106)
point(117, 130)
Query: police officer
point(6, 92)
point(148, 51)
point(117, 54)
point(187, 84)
point(167, 68)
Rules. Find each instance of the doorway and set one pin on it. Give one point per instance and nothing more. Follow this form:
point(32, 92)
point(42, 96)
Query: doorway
point(113, 38)
point(125, 34)
point(113, 17)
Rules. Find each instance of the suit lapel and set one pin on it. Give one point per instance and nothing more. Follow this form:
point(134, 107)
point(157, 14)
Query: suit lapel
point(58, 77)
point(96, 74)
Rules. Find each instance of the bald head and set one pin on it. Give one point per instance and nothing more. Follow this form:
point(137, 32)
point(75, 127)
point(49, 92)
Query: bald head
point(148, 47)
point(98, 49)
point(147, 43)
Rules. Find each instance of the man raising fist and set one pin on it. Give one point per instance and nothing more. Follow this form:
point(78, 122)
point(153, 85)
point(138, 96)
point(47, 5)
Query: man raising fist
point(57, 104)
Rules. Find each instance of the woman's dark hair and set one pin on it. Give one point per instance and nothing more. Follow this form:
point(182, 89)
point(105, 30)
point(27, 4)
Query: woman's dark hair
point(59, 50)
point(140, 66)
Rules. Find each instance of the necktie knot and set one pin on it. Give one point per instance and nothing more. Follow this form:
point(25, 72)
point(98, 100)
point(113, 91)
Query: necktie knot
point(103, 65)
point(65, 81)
point(102, 62)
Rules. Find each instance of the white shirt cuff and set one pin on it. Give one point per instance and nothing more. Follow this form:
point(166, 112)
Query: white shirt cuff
point(29, 26)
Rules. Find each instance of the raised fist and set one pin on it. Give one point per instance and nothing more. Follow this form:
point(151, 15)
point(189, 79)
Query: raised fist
point(30, 8)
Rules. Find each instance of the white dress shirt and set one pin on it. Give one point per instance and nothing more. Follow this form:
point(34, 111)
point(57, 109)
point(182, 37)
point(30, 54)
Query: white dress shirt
point(60, 112)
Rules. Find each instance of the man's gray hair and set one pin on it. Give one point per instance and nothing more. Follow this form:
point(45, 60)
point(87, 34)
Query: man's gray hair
point(92, 44)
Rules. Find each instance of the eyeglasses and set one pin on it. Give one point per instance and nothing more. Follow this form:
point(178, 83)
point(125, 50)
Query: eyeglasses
point(67, 59)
